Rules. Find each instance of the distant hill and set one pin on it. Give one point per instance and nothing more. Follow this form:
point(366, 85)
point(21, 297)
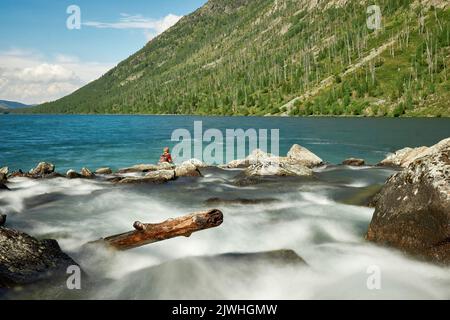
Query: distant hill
point(284, 57)
point(5, 104)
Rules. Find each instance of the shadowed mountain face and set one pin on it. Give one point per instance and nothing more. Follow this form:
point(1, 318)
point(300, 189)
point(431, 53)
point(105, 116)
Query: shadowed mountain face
point(258, 57)
point(5, 104)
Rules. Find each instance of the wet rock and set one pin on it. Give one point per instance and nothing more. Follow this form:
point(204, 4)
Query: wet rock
point(103, 171)
point(43, 169)
point(4, 170)
point(404, 157)
point(3, 187)
point(26, 260)
point(353, 162)
point(72, 174)
point(2, 219)
point(17, 174)
point(412, 211)
point(239, 201)
point(300, 155)
point(160, 176)
point(187, 169)
point(86, 173)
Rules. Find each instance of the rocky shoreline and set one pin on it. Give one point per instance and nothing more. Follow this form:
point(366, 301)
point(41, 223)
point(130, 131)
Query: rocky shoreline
point(412, 211)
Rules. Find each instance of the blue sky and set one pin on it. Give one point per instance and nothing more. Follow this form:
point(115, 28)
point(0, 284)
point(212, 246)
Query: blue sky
point(41, 59)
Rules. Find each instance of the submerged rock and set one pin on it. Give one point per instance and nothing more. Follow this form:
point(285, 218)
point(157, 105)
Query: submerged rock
point(413, 208)
point(239, 201)
point(187, 169)
point(404, 157)
point(25, 260)
point(86, 173)
point(211, 276)
point(353, 162)
point(43, 169)
point(103, 171)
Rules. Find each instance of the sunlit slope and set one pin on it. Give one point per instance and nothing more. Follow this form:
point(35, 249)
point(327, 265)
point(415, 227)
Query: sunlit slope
point(258, 57)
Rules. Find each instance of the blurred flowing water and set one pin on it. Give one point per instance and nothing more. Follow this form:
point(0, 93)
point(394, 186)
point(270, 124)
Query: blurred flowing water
point(321, 218)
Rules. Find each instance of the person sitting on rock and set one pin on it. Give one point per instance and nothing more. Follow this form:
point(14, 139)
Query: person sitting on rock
point(166, 157)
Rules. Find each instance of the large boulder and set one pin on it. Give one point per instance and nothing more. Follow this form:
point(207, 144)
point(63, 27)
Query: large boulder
point(43, 169)
point(412, 211)
point(300, 155)
point(187, 169)
point(4, 170)
point(103, 171)
point(404, 157)
point(25, 260)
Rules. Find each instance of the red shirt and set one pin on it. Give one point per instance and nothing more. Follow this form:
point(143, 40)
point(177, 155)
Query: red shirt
point(166, 157)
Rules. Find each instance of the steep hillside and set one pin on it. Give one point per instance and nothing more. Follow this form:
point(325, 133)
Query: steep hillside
point(258, 57)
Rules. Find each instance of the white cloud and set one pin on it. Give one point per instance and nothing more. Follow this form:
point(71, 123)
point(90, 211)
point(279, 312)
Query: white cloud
point(29, 77)
point(151, 27)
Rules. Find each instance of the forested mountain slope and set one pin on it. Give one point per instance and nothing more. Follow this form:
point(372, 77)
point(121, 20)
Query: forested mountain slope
point(259, 57)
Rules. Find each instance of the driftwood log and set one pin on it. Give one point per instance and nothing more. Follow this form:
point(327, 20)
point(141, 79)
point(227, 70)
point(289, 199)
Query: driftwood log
point(146, 233)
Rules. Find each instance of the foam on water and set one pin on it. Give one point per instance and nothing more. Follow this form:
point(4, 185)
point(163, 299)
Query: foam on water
point(327, 234)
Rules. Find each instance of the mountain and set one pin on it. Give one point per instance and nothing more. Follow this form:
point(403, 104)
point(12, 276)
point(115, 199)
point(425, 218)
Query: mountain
point(279, 57)
point(5, 104)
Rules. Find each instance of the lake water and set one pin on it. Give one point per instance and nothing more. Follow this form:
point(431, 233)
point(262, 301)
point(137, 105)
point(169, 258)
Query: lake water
point(321, 218)
point(119, 141)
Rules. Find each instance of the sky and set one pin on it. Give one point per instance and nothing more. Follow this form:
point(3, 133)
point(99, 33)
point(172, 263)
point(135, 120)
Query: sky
point(45, 56)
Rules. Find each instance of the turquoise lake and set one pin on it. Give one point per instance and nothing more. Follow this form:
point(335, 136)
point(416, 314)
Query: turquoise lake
point(75, 141)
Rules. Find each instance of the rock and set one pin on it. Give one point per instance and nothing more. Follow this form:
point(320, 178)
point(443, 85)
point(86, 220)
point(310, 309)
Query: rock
point(301, 155)
point(255, 157)
point(354, 162)
point(187, 169)
point(17, 174)
point(160, 176)
point(3, 178)
point(139, 168)
point(404, 157)
point(72, 174)
point(86, 173)
point(103, 171)
point(42, 169)
point(239, 201)
point(26, 260)
point(275, 168)
point(4, 170)
point(197, 163)
point(3, 187)
point(256, 172)
point(2, 219)
point(412, 211)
